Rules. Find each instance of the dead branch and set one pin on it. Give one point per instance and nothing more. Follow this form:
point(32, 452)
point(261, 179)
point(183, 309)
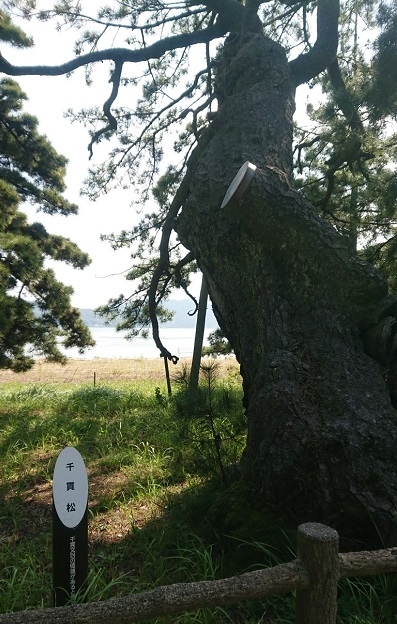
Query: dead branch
point(112, 125)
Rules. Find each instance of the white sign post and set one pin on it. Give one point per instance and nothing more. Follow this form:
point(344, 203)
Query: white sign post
point(70, 526)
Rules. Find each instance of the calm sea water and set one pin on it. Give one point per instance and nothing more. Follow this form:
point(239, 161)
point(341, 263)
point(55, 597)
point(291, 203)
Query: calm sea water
point(112, 344)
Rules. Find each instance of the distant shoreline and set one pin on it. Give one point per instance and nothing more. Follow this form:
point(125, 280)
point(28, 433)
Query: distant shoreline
point(181, 308)
point(112, 344)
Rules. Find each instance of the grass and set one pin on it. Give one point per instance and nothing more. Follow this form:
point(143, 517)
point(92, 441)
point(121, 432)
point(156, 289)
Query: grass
point(166, 501)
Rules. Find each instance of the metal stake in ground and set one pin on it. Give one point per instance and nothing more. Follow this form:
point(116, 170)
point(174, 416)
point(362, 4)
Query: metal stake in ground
point(70, 526)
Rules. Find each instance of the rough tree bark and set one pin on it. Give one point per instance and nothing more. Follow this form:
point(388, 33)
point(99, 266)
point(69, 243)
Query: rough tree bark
point(293, 301)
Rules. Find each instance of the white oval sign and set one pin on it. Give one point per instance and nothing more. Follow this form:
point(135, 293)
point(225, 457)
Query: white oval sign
point(70, 487)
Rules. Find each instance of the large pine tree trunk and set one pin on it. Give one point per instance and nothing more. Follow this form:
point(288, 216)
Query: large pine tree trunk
point(293, 301)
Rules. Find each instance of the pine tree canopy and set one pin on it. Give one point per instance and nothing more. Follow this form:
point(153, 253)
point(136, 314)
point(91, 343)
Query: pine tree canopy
point(36, 314)
point(163, 60)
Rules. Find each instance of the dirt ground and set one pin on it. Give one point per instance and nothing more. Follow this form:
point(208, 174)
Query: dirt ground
point(104, 370)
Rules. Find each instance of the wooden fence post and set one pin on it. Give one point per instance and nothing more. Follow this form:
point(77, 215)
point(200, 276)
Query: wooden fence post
point(318, 550)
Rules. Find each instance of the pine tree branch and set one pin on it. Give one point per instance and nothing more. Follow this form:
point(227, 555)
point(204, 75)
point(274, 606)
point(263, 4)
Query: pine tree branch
point(112, 125)
point(180, 282)
point(343, 97)
point(323, 53)
point(68, 15)
point(231, 9)
point(169, 223)
point(118, 55)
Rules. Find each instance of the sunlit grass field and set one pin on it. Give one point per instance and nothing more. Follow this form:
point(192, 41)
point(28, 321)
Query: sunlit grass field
point(103, 370)
point(166, 501)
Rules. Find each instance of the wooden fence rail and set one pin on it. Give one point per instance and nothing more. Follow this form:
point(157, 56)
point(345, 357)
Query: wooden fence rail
point(314, 575)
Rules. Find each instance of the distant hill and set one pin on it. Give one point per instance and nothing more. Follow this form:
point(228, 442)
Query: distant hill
point(181, 318)
point(182, 307)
